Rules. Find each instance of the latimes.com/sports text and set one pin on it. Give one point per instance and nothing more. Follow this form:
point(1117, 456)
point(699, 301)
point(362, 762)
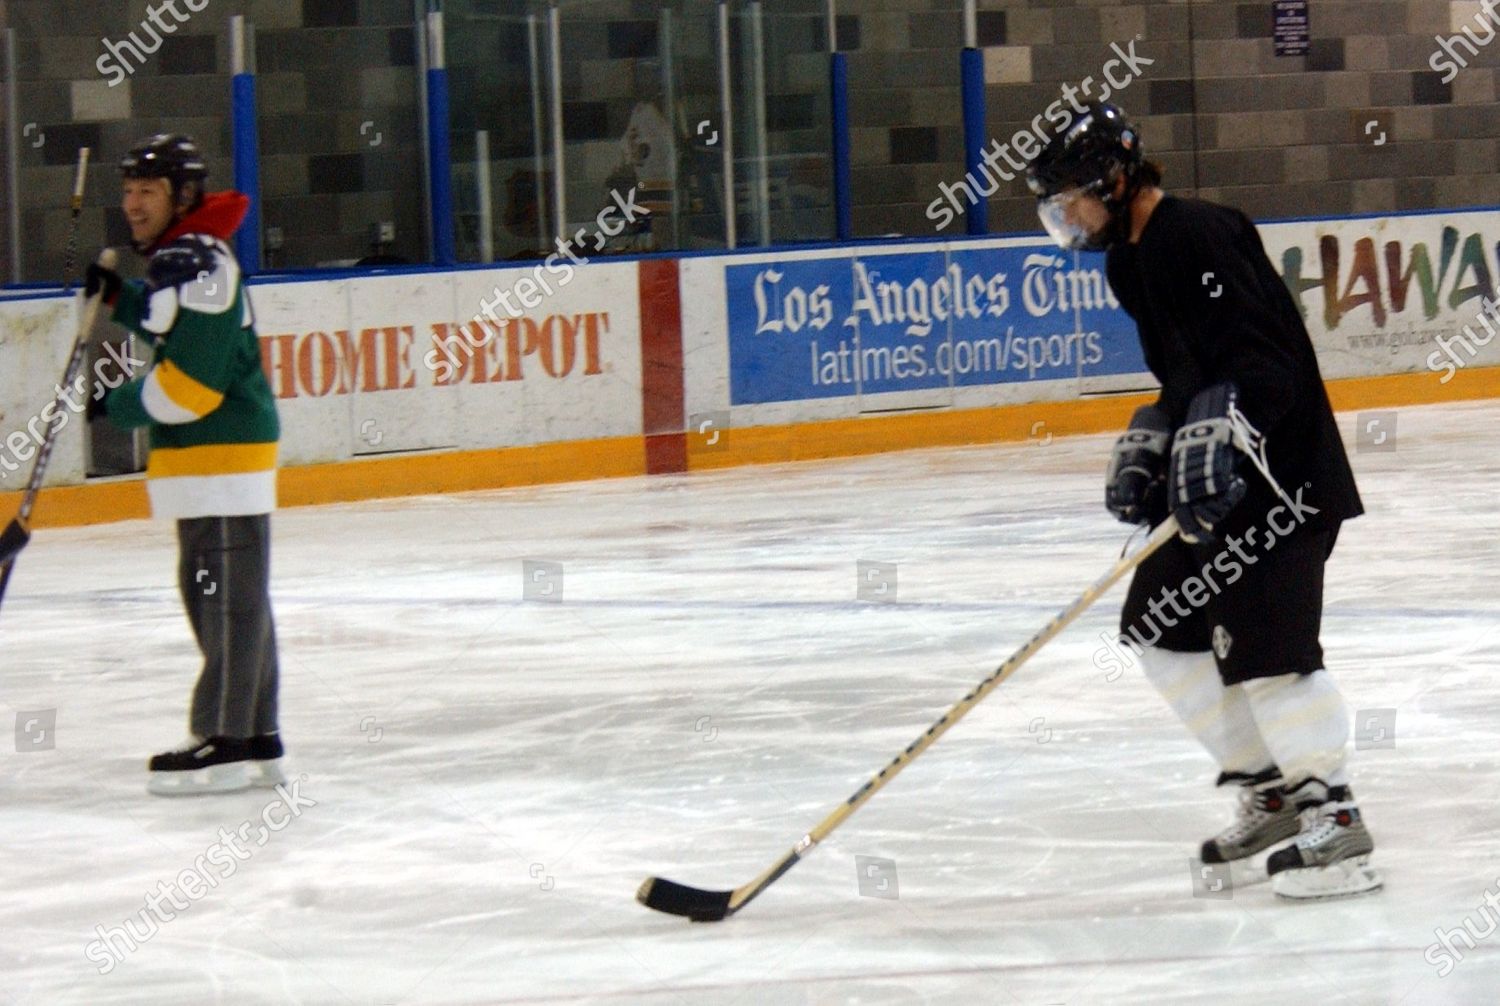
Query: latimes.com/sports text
point(847, 363)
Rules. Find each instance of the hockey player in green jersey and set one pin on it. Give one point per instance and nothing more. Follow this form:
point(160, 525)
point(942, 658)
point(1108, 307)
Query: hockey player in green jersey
point(213, 432)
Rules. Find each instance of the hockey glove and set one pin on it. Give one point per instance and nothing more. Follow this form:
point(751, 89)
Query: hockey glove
point(101, 280)
point(1202, 482)
point(1135, 490)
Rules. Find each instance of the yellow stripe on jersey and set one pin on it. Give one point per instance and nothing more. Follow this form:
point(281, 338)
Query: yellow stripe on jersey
point(211, 459)
point(187, 392)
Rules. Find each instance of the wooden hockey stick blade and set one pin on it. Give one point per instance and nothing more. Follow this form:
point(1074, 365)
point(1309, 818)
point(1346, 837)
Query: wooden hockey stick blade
point(714, 906)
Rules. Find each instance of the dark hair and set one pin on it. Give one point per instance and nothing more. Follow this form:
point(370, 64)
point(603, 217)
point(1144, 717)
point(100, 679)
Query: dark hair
point(1149, 173)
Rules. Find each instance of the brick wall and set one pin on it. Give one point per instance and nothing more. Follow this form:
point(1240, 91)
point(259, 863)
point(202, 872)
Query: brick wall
point(1361, 123)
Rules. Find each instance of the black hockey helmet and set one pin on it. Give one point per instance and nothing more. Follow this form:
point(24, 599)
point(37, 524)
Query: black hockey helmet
point(1089, 157)
point(174, 157)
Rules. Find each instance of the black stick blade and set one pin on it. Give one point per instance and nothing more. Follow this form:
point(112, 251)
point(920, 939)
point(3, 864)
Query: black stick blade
point(679, 899)
point(12, 540)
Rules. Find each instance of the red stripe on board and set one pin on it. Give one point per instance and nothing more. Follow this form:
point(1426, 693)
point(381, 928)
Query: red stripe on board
point(661, 367)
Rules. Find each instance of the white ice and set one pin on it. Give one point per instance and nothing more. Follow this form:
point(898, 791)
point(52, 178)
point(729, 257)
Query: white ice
point(494, 777)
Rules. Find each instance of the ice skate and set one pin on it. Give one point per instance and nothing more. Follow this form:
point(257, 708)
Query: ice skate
point(1265, 817)
point(1331, 856)
point(199, 766)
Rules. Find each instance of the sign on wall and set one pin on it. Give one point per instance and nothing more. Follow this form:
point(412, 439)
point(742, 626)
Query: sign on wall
point(883, 322)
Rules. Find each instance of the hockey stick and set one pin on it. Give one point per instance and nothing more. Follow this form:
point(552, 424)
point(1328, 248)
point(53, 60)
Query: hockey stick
point(712, 906)
point(18, 532)
point(78, 182)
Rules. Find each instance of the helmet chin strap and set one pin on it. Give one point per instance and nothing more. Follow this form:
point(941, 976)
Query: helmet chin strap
point(1117, 230)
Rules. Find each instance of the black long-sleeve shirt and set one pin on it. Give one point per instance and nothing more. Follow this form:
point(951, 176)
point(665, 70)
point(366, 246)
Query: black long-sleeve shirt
point(1210, 307)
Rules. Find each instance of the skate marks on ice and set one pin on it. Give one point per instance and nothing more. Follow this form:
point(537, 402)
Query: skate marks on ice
point(494, 775)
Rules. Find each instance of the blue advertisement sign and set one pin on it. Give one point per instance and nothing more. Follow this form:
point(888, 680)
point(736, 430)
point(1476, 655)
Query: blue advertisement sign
point(851, 324)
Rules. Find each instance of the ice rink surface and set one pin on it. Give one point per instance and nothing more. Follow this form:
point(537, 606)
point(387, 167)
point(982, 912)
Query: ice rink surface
point(485, 780)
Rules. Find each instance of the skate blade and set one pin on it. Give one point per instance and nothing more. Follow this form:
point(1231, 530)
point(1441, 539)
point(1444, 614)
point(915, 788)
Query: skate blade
point(1249, 871)
point(1344, 879)
point(267, 774)
point(229, 778)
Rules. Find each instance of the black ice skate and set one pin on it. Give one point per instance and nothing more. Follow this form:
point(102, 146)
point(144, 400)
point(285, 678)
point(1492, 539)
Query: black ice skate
point(1265, 818)
point(212, 765)
point(1331, 856)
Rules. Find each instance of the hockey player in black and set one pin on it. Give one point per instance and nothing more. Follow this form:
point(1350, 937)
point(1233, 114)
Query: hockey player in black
point(1242, 447)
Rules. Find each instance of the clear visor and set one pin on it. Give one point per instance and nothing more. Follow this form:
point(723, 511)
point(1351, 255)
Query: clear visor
point(1060, 216)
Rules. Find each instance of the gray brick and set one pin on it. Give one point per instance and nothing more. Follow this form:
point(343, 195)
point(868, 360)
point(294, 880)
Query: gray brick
point(1434, 157)
point(1367, 52)
point(1306, 164)
point(1413, 123)
point(1424, 18)
point(1044, 27)
point(63, 57)
point(888, 32)
point(1121, 24)
point(1468, 190)
point(283, 175)
point(1178, 168)
point(874, 108)
point(1474, 86)
point(1346, 90)
point(1390, 89)
point(1466, 121)
point(869, 146)
point(1227, 57)
point(1415, 193)
point(1374, 195)
point(1170, 21)
point(1219, 167)
point(280, 93)
point(1473, 156)
point(1329, 18)
point(869, 70)
point(302, 216)
point(1362, 161)
point(935, 30)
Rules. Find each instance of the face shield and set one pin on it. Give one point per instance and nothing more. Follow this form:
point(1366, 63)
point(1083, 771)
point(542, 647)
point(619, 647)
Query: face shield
point(1075, 219)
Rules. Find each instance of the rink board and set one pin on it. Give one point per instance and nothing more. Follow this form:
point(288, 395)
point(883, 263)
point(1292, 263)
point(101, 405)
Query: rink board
point(401, 383)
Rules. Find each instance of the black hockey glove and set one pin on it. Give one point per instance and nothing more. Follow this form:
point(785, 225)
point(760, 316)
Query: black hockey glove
point(1202, 482)
point(1135, 490)
point(99, 279)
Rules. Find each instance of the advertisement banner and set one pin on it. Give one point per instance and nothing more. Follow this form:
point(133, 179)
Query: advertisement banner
point(1394, 294)
point(854, 323)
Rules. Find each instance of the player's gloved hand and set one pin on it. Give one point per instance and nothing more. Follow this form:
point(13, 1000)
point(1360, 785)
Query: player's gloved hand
point(1202, 483)
point(1135, 490)
point(98, 279)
